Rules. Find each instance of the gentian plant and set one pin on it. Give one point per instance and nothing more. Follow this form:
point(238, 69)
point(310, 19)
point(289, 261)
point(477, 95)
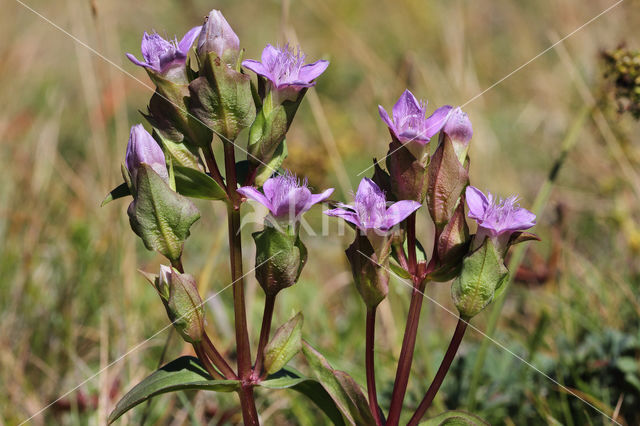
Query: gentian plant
point(204, 96)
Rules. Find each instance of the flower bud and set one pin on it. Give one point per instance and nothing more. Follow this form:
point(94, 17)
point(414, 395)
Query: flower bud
point(483, 272)
point(142, 148)
point(370, 273)
point(280, 257)
point(458, 129)
point(218, 37)
point(181, 299)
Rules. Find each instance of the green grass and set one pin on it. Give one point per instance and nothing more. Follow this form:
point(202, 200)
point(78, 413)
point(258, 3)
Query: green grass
point(71, 300)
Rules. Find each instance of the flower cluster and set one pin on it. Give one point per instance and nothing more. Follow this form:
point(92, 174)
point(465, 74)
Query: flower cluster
point(218, 103)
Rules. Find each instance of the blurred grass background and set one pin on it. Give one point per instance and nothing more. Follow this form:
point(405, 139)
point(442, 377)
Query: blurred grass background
point(71, 300)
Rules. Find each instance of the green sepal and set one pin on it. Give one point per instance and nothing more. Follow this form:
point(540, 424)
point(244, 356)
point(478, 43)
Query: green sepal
point(452, 245)
point(270, 128)
point(285, 344)
point(221, 98)
point(483, 272)
point(408, 174)
point(345, 391)
point(178, 152)
point(160, 216)
point(197, 184)
point(119, 191)
point(280, 257)
point(168, 113)
point(370, 274)
point(447, 179)
point(289, 378)
point(183, 373)
point(454, 418)
point(265, 171)
point(183, 305)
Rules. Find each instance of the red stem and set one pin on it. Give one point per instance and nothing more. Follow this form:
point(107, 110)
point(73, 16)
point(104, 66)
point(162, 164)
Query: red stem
point(370, 367)
point(442, 372)
point(217, 359)
point(406, 355)
point(213, 167)
point(249, 413)
point(267, 317)
point(206, 363)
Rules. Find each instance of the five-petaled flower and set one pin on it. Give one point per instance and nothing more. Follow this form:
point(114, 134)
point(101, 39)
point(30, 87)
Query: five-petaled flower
point(497, 218)
point(409, 121)
point(142, 148)
point(369, 210)
point(284, 67)
point(163, 56)
point(285, 196)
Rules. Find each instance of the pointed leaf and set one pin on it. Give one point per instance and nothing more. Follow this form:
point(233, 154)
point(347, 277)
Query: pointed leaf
point(119, 191)
point(454, 418)
point(346, 393)
point(197, 184)
point(286, 342)
point(180, 374)
point(289, 378)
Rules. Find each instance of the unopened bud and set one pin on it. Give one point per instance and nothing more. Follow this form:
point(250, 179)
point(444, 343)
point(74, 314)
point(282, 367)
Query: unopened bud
point(218, 37)
point(483, 272)
point(458, 129)
point(181, 299)
point(280, 257)
point(142, 148)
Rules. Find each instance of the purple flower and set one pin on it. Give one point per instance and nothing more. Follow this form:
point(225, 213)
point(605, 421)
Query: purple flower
point(458, 127)
point(161, 55)
point(142, 148)
point(497, 218)
point(285, 196)
point(285, 68)
point(409, 119)
point(217, 36)
point(370, 211)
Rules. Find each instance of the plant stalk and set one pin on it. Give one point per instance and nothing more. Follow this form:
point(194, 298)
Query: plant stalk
point(406, 355)
point(442, 372)
point(212, 165)
point(217, 359)
point(249, 413)
point(206, 362)
point(265, 330)
point(370, 366)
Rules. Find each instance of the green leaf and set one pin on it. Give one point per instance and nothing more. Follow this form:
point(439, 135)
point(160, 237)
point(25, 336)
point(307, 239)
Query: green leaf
point(119, 191)
point(286, 342)
point(179, 152)
point(196, 184)
point(454, 418)
point(482, 273)
point(289, 378)
point(160, 216)
point(265, 171)
point(180, 374)
point(346, 393)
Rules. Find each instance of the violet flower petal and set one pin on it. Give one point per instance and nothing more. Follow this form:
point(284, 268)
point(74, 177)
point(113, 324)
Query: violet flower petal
point(350, 217)
point(318, 198)
point(400, 211)
point(477, 202)
point(256, 67)
point(407, 105)
point(387, 120)
point(294, 203)
point(188, 39)
point(437, 120)
point(312, 71)
point(254, 194)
